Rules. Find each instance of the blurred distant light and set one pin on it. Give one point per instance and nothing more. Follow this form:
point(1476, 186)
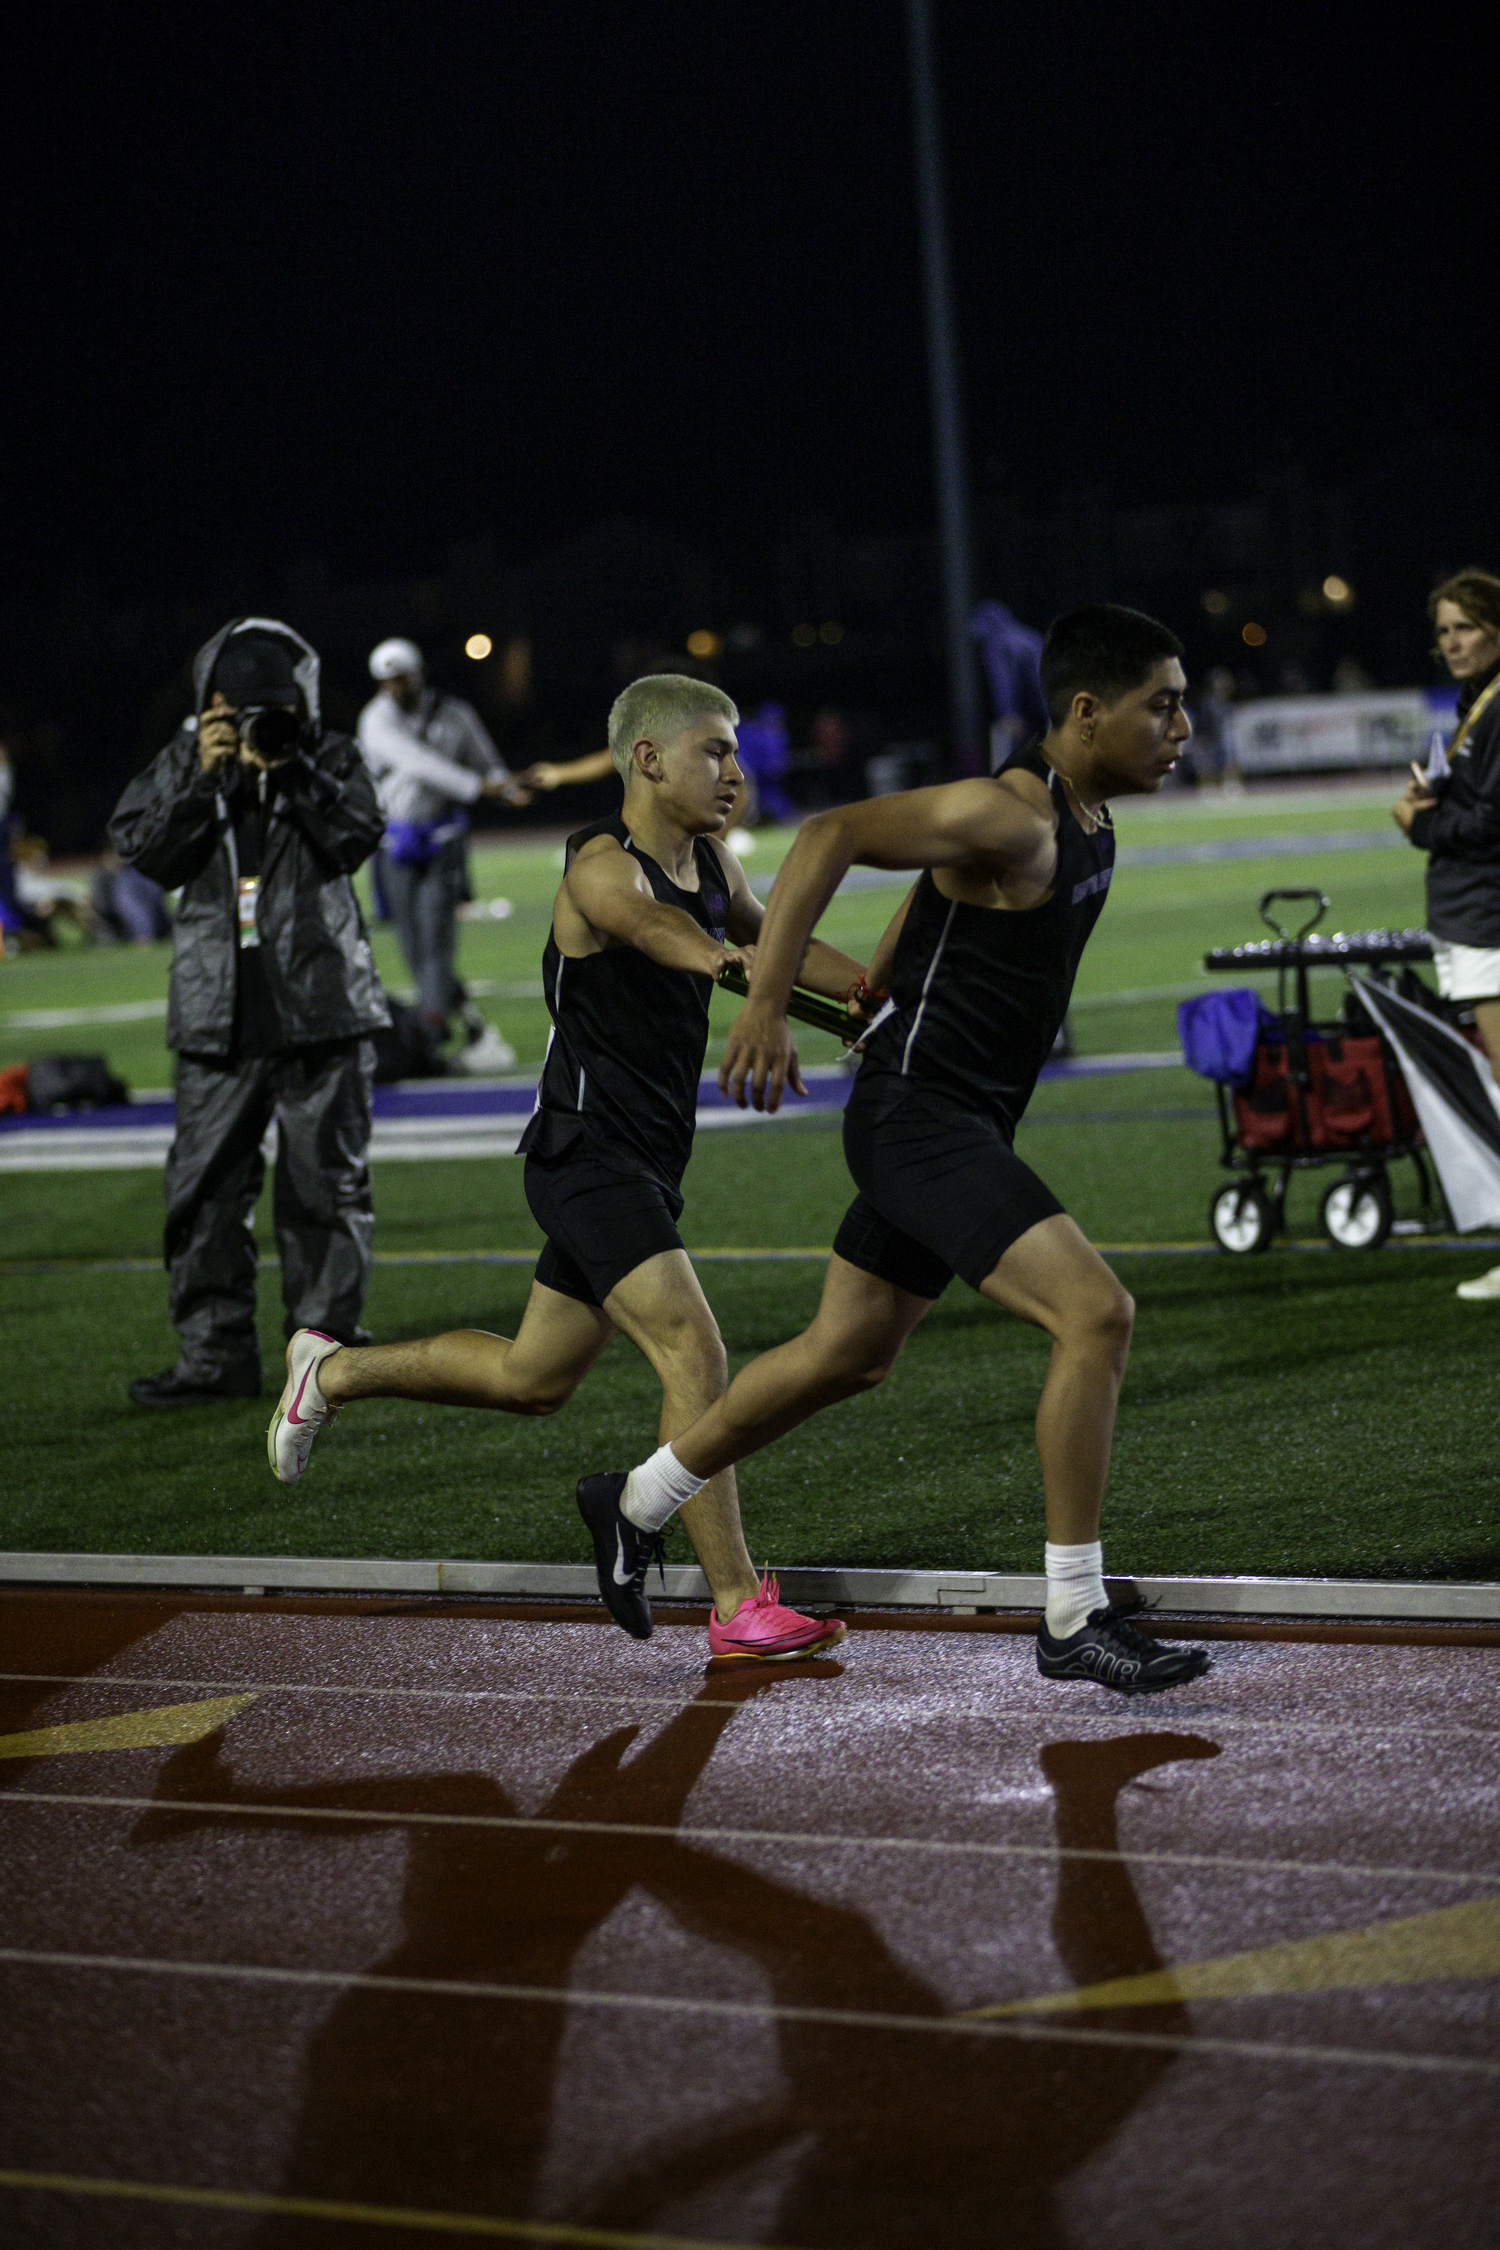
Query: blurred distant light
point(744, 637)
point(831, 634)
point(805, 636)
point(1253, 635)
point(1216, 603)
point(1337, 591)
point(703, 643)
point(479, 646)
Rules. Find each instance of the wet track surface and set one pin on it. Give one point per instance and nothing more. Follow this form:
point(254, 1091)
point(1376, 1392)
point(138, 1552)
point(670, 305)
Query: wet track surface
point(486, 1913)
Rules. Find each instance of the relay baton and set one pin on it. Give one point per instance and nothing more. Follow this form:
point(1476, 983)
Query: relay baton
point(808, 1007)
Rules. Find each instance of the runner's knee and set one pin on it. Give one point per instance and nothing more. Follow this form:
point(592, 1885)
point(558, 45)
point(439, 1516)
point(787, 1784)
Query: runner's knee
point(537, 1397)
point(689, 1354)
point(1104, 1316)
point(850, 1364)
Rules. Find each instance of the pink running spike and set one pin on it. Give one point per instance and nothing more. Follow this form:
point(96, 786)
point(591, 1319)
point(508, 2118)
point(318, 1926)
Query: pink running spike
point(765, 1631)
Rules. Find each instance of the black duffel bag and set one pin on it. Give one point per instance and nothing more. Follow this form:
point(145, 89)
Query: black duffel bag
point(55, 1082)
point(407, 1049)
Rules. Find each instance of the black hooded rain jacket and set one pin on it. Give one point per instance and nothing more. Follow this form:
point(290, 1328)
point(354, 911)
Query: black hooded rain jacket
point(176, 824)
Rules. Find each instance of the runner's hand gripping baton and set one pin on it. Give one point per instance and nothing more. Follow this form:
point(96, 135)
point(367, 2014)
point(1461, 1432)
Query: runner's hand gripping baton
point(815, 1008)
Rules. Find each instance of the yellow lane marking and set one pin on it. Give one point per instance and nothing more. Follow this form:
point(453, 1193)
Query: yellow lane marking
point(1453, 1941)
point(798, 1839)
point(167, 1725)
point(747, 2011)
point(355, 2214)
point(920, 1704)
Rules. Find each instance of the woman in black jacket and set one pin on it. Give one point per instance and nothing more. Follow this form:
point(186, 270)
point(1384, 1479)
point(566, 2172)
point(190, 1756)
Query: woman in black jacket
point(1454, 816)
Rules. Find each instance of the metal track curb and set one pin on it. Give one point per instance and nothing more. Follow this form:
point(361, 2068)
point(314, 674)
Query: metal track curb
point(959, 1590)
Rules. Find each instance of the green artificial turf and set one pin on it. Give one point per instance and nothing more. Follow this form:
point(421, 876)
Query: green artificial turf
point(1295, 1413)
point(1298, 1412)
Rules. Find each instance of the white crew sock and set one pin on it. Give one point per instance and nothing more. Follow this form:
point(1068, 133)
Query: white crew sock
point(1075, 1585)
point(657, 1489)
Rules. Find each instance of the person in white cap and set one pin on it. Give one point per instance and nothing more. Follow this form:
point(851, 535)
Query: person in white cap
point(431, 758)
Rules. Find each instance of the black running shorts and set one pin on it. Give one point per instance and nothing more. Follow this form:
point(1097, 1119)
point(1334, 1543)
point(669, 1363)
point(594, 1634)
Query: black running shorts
point(941, 1190)
point(600, 1224)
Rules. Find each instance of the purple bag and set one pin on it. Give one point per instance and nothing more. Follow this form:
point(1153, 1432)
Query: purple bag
point(412, 843)
point(1219, 1031)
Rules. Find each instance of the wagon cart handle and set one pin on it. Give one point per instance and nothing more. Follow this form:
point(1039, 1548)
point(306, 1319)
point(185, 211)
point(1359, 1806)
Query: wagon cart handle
point(1311, 924)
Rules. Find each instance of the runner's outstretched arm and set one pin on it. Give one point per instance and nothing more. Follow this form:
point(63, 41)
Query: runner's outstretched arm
point(824, 968)
point(996, 827)
point(611, 893)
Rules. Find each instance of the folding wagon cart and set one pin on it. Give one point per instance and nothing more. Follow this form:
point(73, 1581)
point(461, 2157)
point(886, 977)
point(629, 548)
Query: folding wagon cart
point(1300, 1095)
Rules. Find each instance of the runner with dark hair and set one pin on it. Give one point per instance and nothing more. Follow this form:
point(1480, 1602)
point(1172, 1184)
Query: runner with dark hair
point(982, 958)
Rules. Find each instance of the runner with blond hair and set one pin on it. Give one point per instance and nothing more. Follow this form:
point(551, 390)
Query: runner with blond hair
point(652, 905)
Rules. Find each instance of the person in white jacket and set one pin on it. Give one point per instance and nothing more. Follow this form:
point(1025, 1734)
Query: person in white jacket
point(431, 758)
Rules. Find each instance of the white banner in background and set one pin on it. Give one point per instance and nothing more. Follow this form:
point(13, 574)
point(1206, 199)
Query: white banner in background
point(1311, 733)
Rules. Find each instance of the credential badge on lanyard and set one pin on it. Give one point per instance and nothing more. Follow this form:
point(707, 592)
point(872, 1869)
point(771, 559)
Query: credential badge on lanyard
point(247, 887)
point(249, 893)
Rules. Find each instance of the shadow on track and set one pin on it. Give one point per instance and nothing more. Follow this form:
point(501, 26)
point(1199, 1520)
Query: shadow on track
point(447, 2104)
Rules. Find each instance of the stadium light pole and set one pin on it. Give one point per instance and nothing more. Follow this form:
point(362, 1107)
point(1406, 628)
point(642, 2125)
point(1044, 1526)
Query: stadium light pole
point(949, 453)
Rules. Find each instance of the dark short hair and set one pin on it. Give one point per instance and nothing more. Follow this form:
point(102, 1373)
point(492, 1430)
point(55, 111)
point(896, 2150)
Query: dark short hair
point(1104, 650)
point(1475, 592)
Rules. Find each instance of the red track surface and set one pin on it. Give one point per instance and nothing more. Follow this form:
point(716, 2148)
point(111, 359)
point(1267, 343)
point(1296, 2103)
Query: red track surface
point(474, 1912)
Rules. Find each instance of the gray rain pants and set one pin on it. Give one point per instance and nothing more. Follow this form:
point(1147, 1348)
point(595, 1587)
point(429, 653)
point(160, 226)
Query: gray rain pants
point(319, 1098)
point(424, 904)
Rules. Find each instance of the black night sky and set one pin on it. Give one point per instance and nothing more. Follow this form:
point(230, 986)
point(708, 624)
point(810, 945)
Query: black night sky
point(343, 288)
point(358, 281)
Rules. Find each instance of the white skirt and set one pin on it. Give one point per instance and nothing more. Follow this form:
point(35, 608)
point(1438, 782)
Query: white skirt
point(1466, 972)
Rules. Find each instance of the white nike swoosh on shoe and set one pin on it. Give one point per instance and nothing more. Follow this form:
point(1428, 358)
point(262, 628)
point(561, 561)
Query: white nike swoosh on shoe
point(621, 1575)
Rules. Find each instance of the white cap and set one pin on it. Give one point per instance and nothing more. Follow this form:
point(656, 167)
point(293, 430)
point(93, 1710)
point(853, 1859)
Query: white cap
point(392, 658)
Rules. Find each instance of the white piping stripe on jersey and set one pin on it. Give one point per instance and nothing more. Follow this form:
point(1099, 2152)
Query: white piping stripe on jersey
point(937, 955)
point(542, 1073)
point(583, 1079)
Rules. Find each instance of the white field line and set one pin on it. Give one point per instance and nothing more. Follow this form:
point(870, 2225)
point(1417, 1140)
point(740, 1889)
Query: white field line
point(30, 1268)
point(61, 1019)
point(751, 2011)
point(780, 1839)
point(148, 1011)
point(397, 1140)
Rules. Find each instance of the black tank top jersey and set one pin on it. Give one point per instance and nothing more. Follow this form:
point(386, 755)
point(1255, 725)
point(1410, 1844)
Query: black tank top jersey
point(978, 993)
point(620, 1082)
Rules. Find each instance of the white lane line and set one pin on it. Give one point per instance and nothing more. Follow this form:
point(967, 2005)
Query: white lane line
point(753, 2011)
point(793, 1838)
point(907, 1701)
point(63, 1019)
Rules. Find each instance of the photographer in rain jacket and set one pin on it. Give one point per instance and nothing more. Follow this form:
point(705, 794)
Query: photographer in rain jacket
point(261, 817)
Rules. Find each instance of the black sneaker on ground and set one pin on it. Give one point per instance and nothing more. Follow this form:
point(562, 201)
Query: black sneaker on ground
point(170, 1389)
point(1114, 1655)
point(622, 1552)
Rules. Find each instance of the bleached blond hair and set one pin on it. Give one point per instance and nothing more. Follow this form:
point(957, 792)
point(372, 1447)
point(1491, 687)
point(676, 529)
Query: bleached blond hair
point(661, 705)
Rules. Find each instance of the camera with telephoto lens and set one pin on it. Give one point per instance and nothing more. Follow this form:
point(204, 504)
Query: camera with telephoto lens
point(271, 730)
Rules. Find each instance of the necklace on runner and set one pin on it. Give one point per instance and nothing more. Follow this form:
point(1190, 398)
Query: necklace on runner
point(1087, 821)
